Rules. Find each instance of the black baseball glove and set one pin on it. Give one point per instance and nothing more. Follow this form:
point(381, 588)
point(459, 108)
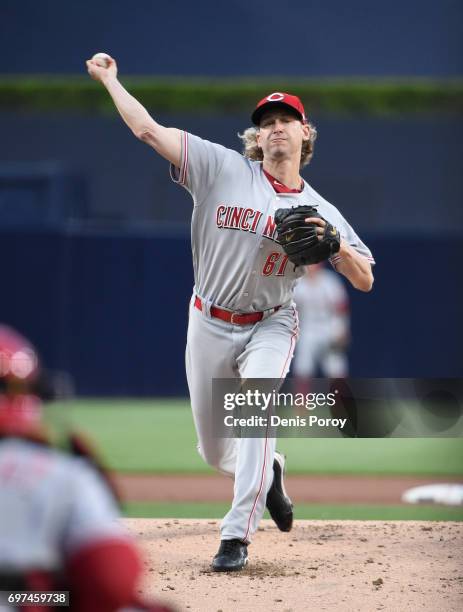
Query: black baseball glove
point(299, 239)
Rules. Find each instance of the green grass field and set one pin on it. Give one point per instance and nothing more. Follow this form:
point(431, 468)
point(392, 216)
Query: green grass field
point(158, 436)
point(214, 510)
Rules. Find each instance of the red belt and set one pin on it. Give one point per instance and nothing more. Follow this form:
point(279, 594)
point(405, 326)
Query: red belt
point(233, 317)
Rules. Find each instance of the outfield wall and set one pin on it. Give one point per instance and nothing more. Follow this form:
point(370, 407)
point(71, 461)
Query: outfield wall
point(236, 37)
point(111, 307)
point(94, 243)
point(386, 174)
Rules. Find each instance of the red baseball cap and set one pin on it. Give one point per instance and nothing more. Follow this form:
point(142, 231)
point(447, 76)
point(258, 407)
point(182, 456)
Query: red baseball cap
point(275, 100)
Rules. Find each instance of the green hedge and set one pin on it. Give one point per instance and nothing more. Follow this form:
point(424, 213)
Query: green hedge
point(374, 97)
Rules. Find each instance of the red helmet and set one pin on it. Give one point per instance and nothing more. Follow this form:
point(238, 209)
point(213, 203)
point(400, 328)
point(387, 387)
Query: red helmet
point(20, 408)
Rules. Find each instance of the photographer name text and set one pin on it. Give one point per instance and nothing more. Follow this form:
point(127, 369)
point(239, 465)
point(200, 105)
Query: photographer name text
point(276, 421)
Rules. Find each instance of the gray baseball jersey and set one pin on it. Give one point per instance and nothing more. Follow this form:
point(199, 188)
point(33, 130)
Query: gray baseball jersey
point(239, 266)
point(237, 262)
point(51, 504)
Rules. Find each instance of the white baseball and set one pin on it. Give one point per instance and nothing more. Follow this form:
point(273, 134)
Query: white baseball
point(101, 59)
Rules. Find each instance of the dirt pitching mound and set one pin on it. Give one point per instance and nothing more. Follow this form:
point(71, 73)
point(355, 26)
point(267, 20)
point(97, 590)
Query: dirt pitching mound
point(320, 565)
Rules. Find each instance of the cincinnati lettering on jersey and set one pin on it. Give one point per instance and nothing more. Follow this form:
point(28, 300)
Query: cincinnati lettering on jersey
point(244, 219)
point(238, 217)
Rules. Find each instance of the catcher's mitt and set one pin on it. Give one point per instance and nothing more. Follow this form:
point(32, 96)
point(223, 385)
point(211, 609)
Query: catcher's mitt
point(299, 239)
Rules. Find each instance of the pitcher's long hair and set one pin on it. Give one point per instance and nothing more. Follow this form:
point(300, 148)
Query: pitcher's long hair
point(254, 153)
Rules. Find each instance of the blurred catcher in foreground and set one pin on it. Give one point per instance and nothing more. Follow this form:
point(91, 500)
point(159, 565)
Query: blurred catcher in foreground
point(59, 528)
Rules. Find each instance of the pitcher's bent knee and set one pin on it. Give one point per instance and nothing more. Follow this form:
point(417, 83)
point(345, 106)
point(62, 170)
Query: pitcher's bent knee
point(211, 456)
point(222, 459)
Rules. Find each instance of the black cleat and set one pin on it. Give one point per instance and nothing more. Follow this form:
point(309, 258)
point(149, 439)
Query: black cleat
point(231, 557)
point(279, 505)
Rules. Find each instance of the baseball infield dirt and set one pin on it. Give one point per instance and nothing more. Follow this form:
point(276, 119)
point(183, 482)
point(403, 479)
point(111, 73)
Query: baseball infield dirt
point(321, 565)
point(328, 489)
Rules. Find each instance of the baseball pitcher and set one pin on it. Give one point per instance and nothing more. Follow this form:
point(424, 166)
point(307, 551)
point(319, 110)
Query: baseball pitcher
point(255, 224)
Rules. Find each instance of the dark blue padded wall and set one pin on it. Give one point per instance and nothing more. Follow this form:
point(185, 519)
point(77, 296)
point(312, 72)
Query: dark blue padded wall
point(109, 304)
point(111, 308)
point(235, 37)
point(96, 263)
point(383, 173)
